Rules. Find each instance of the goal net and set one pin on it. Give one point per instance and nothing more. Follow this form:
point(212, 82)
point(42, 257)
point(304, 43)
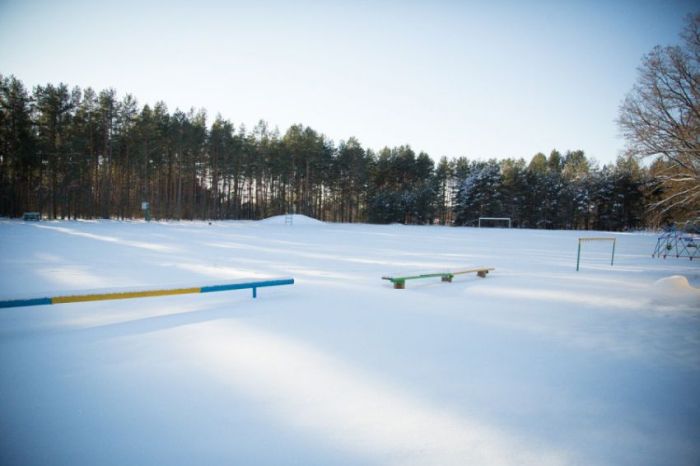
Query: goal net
point(494, 222)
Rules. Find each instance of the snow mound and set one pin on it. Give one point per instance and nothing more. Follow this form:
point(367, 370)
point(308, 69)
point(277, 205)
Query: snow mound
point(676, 289)
point(675, 283)
point(297, 219)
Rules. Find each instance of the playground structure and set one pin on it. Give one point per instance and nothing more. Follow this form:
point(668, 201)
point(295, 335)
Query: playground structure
point(677, 243)
point(495, 219)
point(77, 298)
point(584, 240)
point(400, 282)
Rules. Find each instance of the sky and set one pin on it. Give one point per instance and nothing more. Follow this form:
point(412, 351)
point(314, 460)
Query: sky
point(477, 79)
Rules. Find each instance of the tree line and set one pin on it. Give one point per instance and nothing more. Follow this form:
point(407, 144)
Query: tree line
point(71, 153)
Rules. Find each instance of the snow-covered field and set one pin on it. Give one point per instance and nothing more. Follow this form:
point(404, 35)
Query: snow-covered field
point(535, 364)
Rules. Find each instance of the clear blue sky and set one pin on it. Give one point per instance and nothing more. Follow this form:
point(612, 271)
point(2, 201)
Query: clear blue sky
point(476, 79)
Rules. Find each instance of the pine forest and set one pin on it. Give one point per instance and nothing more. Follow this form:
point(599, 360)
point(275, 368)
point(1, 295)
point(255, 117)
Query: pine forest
point(72, 153)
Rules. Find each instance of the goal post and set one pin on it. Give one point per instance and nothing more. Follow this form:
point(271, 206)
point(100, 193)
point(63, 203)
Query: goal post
point(495, 219)
point(584, 240)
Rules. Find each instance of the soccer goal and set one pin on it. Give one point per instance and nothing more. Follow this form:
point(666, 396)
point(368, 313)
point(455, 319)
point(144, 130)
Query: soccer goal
point(585, 240)
point(494, 221)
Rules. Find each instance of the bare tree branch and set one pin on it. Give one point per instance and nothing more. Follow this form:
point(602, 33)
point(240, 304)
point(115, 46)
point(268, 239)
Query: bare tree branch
point(660, 117)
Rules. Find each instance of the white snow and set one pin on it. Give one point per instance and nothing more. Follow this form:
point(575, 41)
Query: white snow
point(675, 291)
point(534, 364)
point(676, 284)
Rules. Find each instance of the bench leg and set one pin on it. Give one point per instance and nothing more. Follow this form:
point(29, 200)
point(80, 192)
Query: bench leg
point(399, 284)
point(482, 273)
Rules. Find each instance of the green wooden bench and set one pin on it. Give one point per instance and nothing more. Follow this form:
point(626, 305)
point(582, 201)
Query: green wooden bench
point(400, 282)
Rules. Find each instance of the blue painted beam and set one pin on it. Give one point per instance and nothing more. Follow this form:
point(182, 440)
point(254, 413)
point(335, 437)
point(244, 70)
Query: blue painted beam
point(25, 302)
point(138, 294)
point(253, 285)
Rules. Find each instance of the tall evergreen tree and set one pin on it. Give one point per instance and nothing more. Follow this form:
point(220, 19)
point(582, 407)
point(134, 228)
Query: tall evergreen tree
point(20, 163)
point(515, 190)
point(480, 194)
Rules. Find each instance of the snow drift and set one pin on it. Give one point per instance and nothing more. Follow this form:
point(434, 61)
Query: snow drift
point(676, 291)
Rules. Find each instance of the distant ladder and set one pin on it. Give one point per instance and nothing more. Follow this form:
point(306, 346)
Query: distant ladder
point(289, 219)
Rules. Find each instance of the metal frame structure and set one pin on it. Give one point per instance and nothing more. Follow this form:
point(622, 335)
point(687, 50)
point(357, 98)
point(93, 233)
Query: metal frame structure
point(677, 243)
point(494, 218)
point(583, 240)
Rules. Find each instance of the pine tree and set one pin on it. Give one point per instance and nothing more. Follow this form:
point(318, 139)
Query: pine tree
point(480, 194)
point(20, 163)
point(443, 176)
point(515, 188)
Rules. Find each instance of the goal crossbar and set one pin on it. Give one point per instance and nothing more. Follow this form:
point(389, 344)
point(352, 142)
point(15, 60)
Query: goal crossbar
point(494, 218)
point(596, 238)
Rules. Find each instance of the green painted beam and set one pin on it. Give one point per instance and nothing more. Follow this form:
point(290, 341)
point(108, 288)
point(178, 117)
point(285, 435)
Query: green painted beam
point(400, 282)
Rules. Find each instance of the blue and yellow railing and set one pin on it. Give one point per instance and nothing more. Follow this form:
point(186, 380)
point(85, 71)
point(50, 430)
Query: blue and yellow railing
point(78, 298)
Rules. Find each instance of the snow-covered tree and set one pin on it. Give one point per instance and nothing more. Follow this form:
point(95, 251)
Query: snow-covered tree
point(480, 194)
